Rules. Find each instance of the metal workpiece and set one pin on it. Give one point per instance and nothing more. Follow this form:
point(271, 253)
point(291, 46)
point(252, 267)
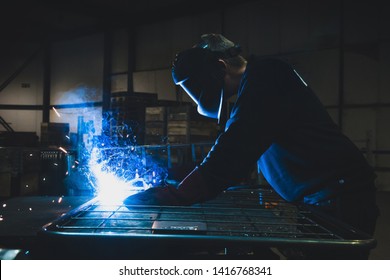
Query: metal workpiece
point(238, 218)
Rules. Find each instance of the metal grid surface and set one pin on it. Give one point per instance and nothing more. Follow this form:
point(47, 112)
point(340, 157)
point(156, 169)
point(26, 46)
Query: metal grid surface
point(243, 215)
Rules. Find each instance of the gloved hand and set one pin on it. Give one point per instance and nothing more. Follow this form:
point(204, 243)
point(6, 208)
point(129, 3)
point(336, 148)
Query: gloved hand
point(193, 189)
point(166, 195)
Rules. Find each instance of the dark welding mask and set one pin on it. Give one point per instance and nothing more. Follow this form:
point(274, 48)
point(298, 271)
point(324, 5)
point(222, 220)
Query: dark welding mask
point(200, 73)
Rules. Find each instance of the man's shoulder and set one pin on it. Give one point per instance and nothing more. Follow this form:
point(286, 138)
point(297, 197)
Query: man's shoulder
point(268, 67)
point(267, 61)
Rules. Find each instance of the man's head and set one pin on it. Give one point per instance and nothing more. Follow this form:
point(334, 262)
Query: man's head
point(218, 43)
point(208, 72)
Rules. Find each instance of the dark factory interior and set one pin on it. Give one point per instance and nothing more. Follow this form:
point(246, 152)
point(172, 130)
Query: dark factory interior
point(90, 114)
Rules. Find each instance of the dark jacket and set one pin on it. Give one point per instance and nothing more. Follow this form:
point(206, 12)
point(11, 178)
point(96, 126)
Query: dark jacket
point(278, 121)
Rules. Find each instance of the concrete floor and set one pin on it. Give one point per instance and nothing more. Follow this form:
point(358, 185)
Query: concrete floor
point(382, 231)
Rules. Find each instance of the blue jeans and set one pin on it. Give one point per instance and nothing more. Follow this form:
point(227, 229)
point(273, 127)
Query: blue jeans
point(356, 208)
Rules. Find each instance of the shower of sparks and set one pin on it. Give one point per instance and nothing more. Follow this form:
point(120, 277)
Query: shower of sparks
point(60, 200)
point(112, 168)
point(118, 172)
point(55, 111)
point(63, 150)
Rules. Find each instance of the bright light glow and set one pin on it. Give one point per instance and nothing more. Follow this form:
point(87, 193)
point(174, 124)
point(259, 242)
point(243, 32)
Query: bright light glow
point(113, 168)
point(60, 200)
point(303, 81)
point(62, 149)
point(55, 111)
point(189, 92)
point(220, 105)
point(111, 181)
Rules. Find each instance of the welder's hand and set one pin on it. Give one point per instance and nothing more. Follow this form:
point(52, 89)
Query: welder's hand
point(155, 196)
point(194, 189)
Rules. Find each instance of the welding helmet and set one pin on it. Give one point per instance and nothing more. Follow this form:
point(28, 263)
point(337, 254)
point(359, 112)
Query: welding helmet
point(200, 73)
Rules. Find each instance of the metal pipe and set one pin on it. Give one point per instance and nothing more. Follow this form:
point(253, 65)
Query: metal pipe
point(46, 83)
point(131, 41)
point(341, 66)
point(108, 38)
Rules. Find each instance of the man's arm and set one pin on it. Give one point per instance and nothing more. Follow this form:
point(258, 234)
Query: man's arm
point(257, 119)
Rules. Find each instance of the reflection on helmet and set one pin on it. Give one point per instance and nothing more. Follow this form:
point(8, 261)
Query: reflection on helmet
point(207, 95)
point(199, 72)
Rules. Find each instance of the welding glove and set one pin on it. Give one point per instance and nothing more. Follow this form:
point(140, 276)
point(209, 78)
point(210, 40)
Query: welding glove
point(166, 195)
point(192, 189)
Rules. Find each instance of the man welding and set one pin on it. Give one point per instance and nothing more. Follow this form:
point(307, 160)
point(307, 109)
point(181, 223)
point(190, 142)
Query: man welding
point(278, 122)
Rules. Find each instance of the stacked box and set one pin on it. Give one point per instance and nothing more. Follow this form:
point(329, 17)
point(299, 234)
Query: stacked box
point(31, 160)
point(178, 124)
point(128, 112)
point(5, 184)
point(18, 139)
point(31, 168)
point(54, 134)
point(203, 131)
point(155, 125)
point(29, 183)
point(54, 167)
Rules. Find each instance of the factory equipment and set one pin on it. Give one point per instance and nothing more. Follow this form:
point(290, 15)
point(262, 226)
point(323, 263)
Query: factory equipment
point(32, 171)
point(55, 134)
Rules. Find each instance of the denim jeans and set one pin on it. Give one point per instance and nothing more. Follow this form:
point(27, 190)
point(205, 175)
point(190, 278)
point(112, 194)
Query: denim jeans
point(355, 208)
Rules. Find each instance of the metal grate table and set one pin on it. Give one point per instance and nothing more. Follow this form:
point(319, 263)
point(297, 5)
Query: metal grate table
point(240, 217)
